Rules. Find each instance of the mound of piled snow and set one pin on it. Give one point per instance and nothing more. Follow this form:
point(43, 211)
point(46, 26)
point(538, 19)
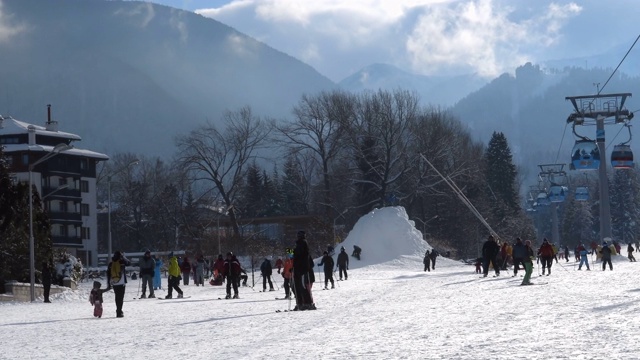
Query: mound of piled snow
point(384, 235)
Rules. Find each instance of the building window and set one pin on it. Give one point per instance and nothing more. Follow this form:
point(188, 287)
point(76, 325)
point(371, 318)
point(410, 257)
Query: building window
point(62, 181)
point(84, 208)
point(63, 206)
point(83, 164)
point(25, 159)
point(84, 186)
point(63, 230)
point(86, 233)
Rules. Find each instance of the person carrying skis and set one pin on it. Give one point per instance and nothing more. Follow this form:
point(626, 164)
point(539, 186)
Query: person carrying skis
point(231, 273)
point(528, 263)
point(174, 277)
point(343, 263)
point(327, 262)
point(266, 271)
point(490, 251)
point(301, 268)
point(519, 255)
point(427, 261)
point(147, 268)
point(584, 256)
point(545, 252)
point(630, 251)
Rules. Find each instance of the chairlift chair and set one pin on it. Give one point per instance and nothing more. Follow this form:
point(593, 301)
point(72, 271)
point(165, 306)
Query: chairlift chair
point(542, 199)
point(585, 155)
point(582, 193)
point(557, 193)
point(622, 157)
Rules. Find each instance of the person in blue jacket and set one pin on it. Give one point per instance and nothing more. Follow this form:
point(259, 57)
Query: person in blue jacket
point(157, 277)
point(584, 256)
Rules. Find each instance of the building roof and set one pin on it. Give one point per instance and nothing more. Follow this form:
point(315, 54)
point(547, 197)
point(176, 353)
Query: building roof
point(11, 126)
point(9, 148)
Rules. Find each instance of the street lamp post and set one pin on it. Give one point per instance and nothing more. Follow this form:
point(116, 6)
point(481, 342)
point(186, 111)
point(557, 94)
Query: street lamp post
point(109, 202)
point(333, 241)
point(32, 252)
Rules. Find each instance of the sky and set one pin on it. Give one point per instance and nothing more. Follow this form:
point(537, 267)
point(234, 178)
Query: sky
point(428, 37)
point(389, 308)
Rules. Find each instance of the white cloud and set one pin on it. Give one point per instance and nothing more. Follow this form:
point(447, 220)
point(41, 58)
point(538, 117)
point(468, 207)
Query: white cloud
point(143, 12)
point(339, 37)
point(8, 28)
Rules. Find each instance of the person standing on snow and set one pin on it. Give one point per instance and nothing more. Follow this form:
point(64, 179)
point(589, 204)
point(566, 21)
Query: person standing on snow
point(147, 268)
point(566, 253)
point(584, 256)
point(231, 273)
point(300, 272)
point(287, 273)
point(343, 263)
point(185, 267)
point(606, 256)
point(427, 261)
point(198, 270)
point(490, 251)
point(174, 277)
point(117, 279)
point(327, 262)
point(266, 271)
point(630, 251)
point(157, 275)
point(528, 263)
point(434, 254)
point(546, 256)
point(519, 255)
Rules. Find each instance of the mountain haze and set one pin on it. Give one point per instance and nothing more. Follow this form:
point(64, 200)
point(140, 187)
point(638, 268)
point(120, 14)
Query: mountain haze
point(129, 75)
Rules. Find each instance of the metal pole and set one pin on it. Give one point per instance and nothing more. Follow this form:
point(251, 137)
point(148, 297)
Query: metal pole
point(32, 254)
point(605, 208)
point(109, 217)
point(218, 228)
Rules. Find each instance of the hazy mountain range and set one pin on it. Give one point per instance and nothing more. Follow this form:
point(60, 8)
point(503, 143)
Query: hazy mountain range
point(129, 76)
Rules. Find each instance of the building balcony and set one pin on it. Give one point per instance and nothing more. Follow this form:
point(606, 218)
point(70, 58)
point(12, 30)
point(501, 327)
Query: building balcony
point(62, 216)
point(66, 241)
point(63, 193)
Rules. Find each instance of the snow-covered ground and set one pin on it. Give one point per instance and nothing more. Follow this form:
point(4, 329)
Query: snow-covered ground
point(388, 309)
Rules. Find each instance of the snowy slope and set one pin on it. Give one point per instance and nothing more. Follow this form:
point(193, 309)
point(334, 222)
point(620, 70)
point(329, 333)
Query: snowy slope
point(387, 310)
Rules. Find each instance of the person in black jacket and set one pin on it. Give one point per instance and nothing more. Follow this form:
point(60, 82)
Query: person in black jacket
point(606, 256)
point(519, 255)
point(46, 280)
point(434, 254)
point(266, 271)
point(117, 279)
point(327, 262)
point(343, 263)
point(147, 272)
point(301, 268)
point(490, 251)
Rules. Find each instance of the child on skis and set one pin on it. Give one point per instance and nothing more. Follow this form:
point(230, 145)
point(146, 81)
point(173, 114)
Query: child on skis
point(95, 298)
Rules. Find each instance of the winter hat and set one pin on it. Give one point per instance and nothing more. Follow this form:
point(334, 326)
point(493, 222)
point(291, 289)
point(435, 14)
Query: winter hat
point(325, 253)
point(116, 255)
point(301, 234)
point(96, 284)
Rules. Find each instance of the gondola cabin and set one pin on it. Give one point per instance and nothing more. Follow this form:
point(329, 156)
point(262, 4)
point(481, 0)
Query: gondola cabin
point(585, 155)
point(542, 199)
point(557, 193)
point(622, 157)
point(582, 193)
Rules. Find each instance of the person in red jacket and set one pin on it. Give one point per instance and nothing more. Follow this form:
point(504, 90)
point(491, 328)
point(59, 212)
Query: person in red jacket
point(279, 264)
point(185, 267)
point(216, 271)
point(546, 254)
point(287, 273)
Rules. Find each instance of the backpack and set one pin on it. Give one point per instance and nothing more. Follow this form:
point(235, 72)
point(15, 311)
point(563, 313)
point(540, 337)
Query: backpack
point(116, 272)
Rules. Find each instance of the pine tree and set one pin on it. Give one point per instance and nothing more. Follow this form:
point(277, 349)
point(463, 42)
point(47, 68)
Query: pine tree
point(501, 176)
point(625, 205)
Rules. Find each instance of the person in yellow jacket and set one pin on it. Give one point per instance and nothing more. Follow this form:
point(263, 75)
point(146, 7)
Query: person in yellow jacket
point(174, 276)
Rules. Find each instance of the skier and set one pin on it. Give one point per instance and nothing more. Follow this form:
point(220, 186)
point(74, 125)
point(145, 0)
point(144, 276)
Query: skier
point(343, 263)
point(327, 262)
point(427, 261)
point(566, 253)
point(330, 250)
point(545, 252)
point(606, 256)
point(266, 271)
point(117, 279)
point(356, 252)
point(490, 251)
point(174, 277)
point(231, 273)
point(584, 256)
point(147, 266)
point(630, 251)
point(528, 263)
point(301, 268)
point(519, 255)
point(279, 264)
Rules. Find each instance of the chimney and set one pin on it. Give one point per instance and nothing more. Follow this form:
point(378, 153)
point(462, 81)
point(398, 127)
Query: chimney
point(51, 125)
point(32, 134)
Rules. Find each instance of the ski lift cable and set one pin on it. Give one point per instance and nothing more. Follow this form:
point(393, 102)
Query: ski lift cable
point(462, 197)
point(619, 64)
point(561, 141)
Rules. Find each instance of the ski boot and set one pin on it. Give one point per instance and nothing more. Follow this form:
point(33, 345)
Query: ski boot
point(228, 296)
point(143, 296)
point(235, 296)
point(180, 296)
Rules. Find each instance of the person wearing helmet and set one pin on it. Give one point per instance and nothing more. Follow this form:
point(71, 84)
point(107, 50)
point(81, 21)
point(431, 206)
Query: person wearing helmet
point(343, 263)
point(327, 262)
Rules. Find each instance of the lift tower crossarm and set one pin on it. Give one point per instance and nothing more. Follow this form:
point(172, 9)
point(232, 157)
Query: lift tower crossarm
point(592, 107)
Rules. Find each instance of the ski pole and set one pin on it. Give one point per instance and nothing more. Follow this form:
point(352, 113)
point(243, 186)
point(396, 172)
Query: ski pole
point(273, 281)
